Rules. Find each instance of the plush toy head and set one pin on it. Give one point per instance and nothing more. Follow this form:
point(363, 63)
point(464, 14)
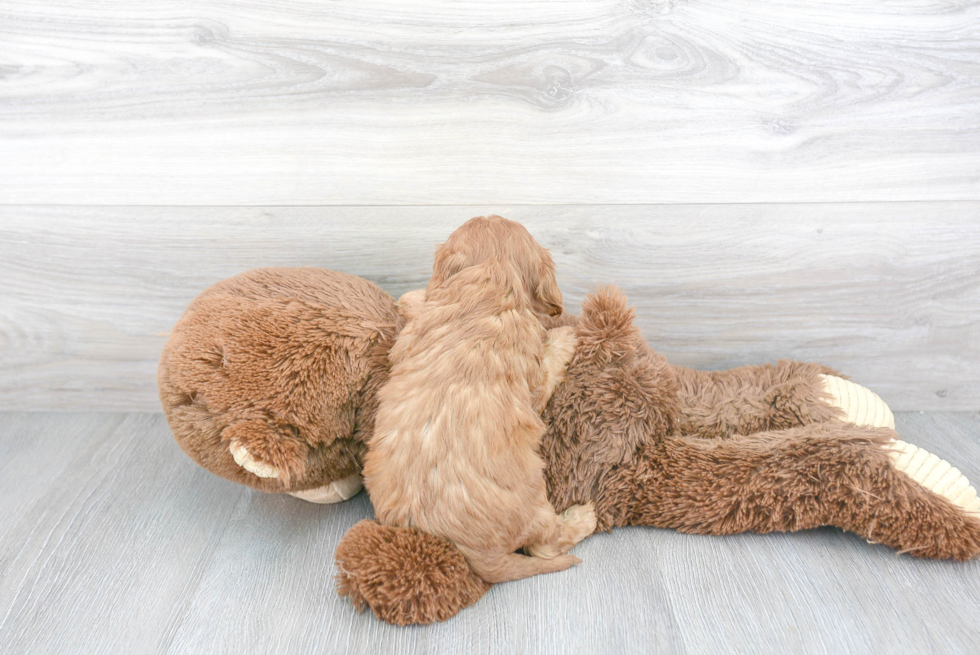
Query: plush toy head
point(270, 377)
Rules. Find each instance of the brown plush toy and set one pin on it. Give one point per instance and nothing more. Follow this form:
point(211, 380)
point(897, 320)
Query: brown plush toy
point(270, 378)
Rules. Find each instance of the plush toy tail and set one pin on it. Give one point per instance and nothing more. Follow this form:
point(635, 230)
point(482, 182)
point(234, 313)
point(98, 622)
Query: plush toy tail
point(404, 575)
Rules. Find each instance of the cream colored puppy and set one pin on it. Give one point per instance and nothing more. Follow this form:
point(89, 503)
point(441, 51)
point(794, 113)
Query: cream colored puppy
point(455, 451)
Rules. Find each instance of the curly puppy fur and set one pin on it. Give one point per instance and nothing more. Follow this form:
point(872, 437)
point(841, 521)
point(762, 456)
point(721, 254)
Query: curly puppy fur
point(458, 424)
point(286, 362)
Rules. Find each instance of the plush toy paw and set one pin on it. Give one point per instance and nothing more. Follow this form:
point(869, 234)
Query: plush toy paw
point(244, 459)
point(579, 520)
point(861, 406)
point(335, 492)
point(936, 475)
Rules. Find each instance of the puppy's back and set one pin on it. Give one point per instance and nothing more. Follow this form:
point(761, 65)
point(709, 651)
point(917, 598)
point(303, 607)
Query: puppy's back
point(456, 432)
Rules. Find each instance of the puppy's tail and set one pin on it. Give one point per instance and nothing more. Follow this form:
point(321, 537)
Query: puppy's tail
point(504, 567)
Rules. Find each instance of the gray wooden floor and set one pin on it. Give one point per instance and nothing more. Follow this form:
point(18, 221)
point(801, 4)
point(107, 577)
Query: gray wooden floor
point(111, 540)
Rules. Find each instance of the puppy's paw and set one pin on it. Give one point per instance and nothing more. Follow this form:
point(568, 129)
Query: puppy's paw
point(409, 304)
point(562, 343)
point(559, 348)
point(579, 521)
point(244, 459)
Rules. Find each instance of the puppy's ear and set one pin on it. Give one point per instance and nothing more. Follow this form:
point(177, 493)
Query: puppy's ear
point(547, 295)
point(447, 263)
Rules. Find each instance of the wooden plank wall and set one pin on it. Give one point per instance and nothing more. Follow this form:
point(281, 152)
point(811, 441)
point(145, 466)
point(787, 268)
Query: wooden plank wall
point(90, 293)
point(303, 102)
point(764, 179)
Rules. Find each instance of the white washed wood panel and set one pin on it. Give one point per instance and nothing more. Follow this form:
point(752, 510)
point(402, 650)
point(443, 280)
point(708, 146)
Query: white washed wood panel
point(598, 101)
point(889, 293)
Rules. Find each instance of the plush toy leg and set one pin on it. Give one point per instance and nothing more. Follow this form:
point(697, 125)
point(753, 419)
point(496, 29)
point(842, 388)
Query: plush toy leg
point(753, 399)
point(787, 394)
point(863, 407)
point(828, 474)
point(851, 477)
point(404, 575)
point(936, 475)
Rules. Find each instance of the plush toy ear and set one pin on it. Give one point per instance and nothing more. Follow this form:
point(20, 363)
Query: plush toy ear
point(607, 325)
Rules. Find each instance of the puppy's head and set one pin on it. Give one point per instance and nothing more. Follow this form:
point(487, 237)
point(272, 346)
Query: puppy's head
point(492, 238)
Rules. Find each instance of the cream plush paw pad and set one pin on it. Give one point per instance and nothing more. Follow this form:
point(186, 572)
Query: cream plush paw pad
point(335, 492)
point(861, 405)
point(250, 464)
point(936, 475)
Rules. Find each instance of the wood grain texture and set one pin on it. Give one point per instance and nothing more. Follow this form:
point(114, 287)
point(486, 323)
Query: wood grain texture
point(124, 545)
point(95, 558)
point(890, 294)
point(612, 101)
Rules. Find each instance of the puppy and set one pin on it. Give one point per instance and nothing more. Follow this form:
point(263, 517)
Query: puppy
point(454, 451)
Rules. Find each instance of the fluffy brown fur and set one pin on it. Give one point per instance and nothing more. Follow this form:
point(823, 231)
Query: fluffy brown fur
point(286, 361)
point(796, 479)
point(751, 399)
point(298, 356)
point(405, 579)
point(454, 451)
point(620, 435)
